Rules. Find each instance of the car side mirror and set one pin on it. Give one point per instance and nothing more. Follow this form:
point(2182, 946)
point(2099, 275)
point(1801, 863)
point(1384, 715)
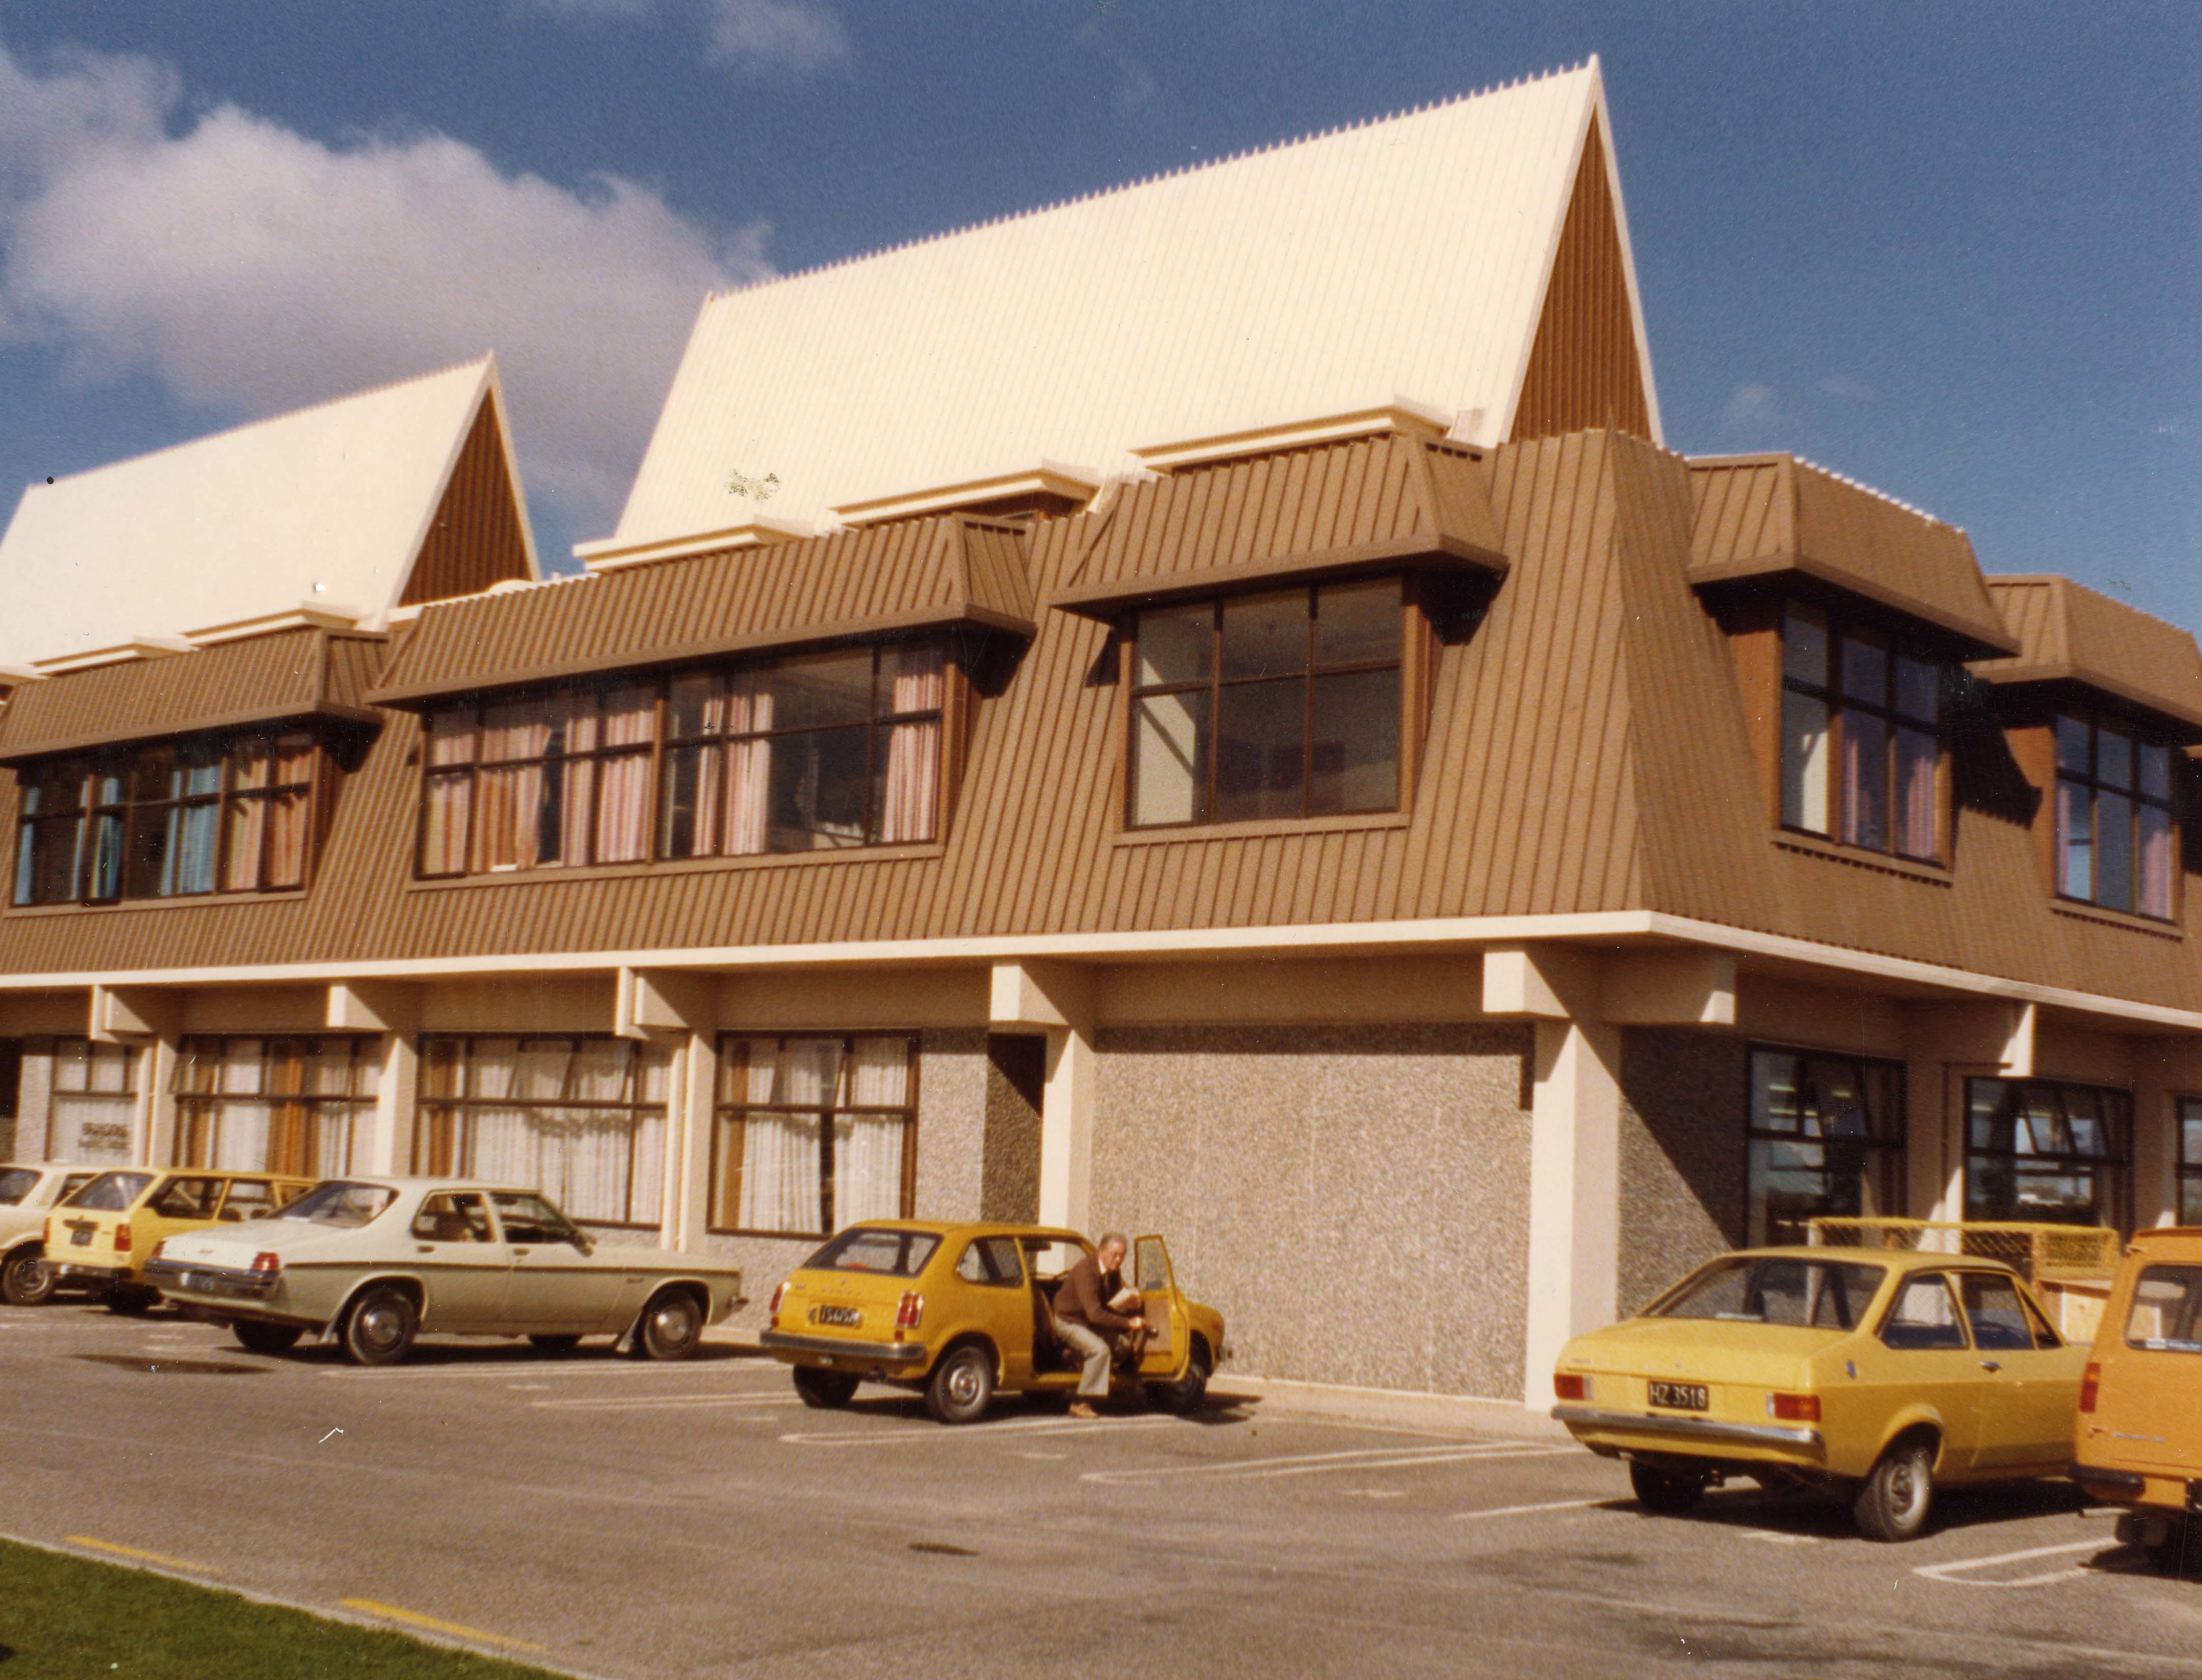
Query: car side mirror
point(258, 1213)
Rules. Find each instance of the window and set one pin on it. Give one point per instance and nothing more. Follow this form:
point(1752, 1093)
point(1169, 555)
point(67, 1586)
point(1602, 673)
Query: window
point(1826, 1139)
point(2114, 821)
point(991, 1261)
point(814, 1133)
point(295, 1106)
point(2190, 1160)
point(1273, 705)
point(580, 1119)
point(806, 753)
point(188, 1199)
point(228, 814)
point(2046, 1152)
point(1998, 1318)
point(888, 1254)
point(1825, 1295)
point(95, 1101)
point(1862, 726)
point(2167, 1311)
point(1924, 1317)
point(452, 1217)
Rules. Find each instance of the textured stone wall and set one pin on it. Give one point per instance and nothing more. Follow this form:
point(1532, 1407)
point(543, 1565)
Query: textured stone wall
point(34, 1098)
point(1685, 1102)
point(1017, 1071)
point(1354, 1199)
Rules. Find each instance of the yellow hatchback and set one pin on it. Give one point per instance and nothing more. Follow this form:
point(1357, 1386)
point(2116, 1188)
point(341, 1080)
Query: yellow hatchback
point(1879, 1374)
point(101, 1237)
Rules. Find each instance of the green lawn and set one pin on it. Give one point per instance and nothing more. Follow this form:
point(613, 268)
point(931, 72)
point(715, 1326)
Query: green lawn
point(70, 1618)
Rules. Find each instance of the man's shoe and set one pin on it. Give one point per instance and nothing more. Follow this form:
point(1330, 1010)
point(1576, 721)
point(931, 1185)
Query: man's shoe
point(1079, 1409)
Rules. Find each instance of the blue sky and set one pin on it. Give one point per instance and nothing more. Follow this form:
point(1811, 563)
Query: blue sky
point(1955, 251)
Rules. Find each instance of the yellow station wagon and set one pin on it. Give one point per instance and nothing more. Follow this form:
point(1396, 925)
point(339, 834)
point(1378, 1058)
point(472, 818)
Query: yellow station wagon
point(1880, 1374)
point(963, 1311)
point(102, 1236)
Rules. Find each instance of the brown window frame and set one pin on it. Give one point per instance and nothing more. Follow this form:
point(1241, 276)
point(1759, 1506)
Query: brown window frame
point(2089, 781)
point(284, 1059)
point(2112, 1168)
point(727, 1118)
point(1885, 1152)
point(1834, 697)
point(2187, 1156)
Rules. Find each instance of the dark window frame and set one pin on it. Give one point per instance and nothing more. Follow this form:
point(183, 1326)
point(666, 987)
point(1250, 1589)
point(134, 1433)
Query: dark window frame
point(2111, 1169)
point(724, 1191)
point(1887, 1156)
point(2187, 1161)
point(2090, 783)
point(1836, 697)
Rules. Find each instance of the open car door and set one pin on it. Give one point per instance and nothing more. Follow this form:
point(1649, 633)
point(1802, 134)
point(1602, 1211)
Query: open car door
point(1169, 1332)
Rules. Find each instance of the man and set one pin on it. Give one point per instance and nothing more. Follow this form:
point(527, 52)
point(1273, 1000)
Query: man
point(1082, 1316)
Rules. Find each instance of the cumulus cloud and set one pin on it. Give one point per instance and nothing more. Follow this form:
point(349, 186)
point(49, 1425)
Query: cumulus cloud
point(251, 268)
point(1749, 402)
point(757, 32)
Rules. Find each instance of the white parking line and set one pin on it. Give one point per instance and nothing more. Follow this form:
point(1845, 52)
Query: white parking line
point(506, 1369)
point(647, 1402)
point(1525, 1510)
point(1947, 1573)
point(1022, 1428)
point(1323, 1464)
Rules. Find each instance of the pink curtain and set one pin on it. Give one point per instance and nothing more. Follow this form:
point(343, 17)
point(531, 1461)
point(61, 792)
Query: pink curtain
point(578, 775)
point(1917, 757)
point(509, 806)
point(2155, 897)
point(913, 766)
point(450, 796)
point(749, 766)
point(630, 720)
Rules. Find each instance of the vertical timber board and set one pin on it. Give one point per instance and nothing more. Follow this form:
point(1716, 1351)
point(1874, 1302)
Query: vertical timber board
point(474, 540)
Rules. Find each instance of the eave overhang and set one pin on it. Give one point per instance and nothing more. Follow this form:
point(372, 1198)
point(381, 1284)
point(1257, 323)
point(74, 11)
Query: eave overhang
point(2075, 643)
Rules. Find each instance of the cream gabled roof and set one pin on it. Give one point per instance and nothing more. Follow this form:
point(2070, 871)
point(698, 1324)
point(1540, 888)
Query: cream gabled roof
point(326, 506)
point(1405, 259)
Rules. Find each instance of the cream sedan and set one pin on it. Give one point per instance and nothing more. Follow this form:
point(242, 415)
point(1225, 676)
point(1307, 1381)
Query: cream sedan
point(376, 1262)
point(28, 1191)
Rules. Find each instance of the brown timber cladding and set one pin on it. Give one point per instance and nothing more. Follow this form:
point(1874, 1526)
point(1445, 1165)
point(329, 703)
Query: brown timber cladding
point(2068, 631)
point(475, 539)
point(1588, 750)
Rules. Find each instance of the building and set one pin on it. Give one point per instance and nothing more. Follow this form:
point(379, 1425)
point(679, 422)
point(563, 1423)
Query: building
point(1381, 819)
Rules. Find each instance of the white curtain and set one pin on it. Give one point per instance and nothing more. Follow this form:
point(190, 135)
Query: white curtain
point(94, 1102)
point(602, 1164)
point(749, 766)
point(913, 749)
point(780, 1174)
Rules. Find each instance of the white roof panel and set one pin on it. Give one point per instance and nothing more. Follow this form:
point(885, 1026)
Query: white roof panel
point(1405, 259)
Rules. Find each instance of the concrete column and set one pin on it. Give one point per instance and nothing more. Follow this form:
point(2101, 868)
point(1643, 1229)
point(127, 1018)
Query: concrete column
point(1575, 1193)
point(34, 1101)
point(155, 1141)
point(396, 1104)
point(1945, 1044)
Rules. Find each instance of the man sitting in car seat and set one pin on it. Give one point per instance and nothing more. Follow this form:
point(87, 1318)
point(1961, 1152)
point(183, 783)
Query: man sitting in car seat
point(1084, 1322)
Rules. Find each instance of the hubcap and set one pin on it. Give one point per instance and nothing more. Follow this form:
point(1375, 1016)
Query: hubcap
point(675, 1325)
point(964, 1382)
point(1907, 1487)
point(379, 1326)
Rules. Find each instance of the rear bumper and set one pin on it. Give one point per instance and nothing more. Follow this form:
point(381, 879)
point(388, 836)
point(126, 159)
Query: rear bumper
point(862, 1353)
point(2165, 1491)
point(76, 1271)
point(180, 1279)
point(1685, 1432)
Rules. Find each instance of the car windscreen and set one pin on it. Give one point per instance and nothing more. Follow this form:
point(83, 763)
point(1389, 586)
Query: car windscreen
point(2167, 1311)
point(1821, 1294)
point(15, 1184)
point(111, 1192)
point(890, 1253)
point(345, 1207)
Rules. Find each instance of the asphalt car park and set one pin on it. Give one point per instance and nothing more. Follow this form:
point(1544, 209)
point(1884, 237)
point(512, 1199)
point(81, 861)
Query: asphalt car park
point(614, 1516)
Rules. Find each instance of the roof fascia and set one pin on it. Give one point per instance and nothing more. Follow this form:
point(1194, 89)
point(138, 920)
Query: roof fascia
point(2068, 673)
point(1765, 568)
point(1440, 553)
point(334, 711)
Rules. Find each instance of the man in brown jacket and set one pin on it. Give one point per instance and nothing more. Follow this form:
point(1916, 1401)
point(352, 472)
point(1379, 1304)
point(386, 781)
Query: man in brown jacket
point(1084, 1322)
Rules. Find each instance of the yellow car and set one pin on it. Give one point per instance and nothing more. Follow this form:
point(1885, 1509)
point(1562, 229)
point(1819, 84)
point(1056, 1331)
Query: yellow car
point(2139, 1440)
point(1879, 1374)
point(963, 1311)
point(101, 1237)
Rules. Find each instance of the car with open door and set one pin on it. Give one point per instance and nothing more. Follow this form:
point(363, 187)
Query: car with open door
point(28, 1191)
point(962, 1313)
point(375, 1263)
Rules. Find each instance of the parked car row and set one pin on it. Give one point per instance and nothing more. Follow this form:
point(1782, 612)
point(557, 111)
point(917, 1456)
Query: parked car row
point(1885, 1374)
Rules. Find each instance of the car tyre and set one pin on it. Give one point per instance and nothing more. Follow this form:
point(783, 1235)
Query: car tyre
point(258, 1338)
point(379, 1328)
point(25, 1280)
point(131, 1301)
point(555, 1347)
point(1898, 1492)
point(962, 1386)
point(1187, 1394)
point(1667, 1492)
point(672, 1326)
point(825, 1390)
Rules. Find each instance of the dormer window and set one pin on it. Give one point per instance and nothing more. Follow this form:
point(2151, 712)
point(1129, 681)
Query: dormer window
point(2114, 817)
point(1285, 704)
point(1862, 736)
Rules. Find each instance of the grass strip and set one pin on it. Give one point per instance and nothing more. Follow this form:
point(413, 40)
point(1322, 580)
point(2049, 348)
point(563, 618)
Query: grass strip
point(71, 1618)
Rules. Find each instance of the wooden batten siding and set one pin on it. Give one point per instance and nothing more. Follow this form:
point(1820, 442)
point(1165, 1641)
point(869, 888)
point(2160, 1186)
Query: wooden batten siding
point(475, 539)
point(1585, 367)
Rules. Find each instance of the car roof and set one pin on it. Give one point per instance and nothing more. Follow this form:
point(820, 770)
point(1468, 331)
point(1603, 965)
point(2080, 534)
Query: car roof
point(1899, 1259)
point(947, 1229)
point(2174, 1237)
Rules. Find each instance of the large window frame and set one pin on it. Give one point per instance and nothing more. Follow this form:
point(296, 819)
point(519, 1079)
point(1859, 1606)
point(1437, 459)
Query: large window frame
point(1864, 741)
point(834, 1107)
point(1816, 1114)
point(309, 1098)
point(2117, 845)
point(2187, 1147)
point(691, 764)
point(204, 816)
point(2055, 1133)
point(94, 1090)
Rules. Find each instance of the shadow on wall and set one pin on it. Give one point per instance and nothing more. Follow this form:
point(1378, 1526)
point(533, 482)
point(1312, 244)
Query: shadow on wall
point(1685, 1097)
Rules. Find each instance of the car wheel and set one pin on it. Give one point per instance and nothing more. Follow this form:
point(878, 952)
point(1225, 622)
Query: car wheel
point(1187, 1394)
point(1667, 1492)
point(557, 1347)
point(131, 1302)
point(672, 1326)
point(25, 1280)
point(259, 1338)
point(962, 1386)
point(1898, 1494)
point(379, 1328)
point(824, 1390)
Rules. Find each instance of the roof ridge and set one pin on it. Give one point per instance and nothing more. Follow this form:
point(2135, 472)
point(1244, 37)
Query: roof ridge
point(1138, 181)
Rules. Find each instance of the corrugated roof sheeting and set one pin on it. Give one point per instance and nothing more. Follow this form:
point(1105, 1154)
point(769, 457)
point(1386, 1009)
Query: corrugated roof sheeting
point(2069, 632)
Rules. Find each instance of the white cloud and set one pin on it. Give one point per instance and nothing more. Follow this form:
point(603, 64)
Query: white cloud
point(1847, 387)
point(251, 268)
point(1748, 403)
point(755, 33)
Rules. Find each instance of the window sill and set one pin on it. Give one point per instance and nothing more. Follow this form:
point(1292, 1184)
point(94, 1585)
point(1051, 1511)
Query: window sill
point(840, 856)
point(1261, 826)
point(2080, 911)
point(1887, 862)
point(195, 901)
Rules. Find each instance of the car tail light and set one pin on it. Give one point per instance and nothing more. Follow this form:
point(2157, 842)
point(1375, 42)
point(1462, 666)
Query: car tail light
point(772, 1313)
point(1571, 1387)
point(1793, 1408)
point(122, 1238)
point(2091, 1381)
point(910, 1312)
point(266, 1264)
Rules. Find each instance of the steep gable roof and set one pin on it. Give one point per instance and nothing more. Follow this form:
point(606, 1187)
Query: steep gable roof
point(1410, 257)
point(352, 504)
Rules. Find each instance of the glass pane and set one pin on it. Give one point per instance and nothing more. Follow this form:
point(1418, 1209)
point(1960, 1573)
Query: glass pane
point(1804, 760)
point(2075, 842)
point(2114, 858)
point(1805, 646)
point(1261, 748)
point(913, 678)
point(1918, 756)
point(1918, 690)
point(149, 776)
point(451, 737)
point(623, 815)
point(1991, 1126)
point(1353, 750)
point(2190, 1133)
point(821, 689)
point(695, 705)
point(816, 794)
point(1774, 1092)
point(906, 772)
point(2154, 766)
point(2083, 1114)
point(1865, 672)
point(2153, 893)
point(2113, 758)
point(1865, 780)
point(1992, 1309)
point(2072, 744)
point(193, 832)
point(1169, 758)
point(2190, 1200)
point(1355, 622)
point(1175, 644)
point(148, 872)
point(687, 826)
point(106, 877)
point(1266, 635)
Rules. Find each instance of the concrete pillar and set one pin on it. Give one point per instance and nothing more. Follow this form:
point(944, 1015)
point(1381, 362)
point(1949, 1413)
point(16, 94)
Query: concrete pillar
point(154, 1142)
point(34, 1101)
point(688, 1143)
point(396, 1104)
point(1575, 1193)
point(1945, 1044)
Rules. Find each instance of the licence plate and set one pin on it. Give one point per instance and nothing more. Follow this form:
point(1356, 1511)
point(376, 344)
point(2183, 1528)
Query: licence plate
point(836, 1315)
point(81, 1236)
point(1679, 1396)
